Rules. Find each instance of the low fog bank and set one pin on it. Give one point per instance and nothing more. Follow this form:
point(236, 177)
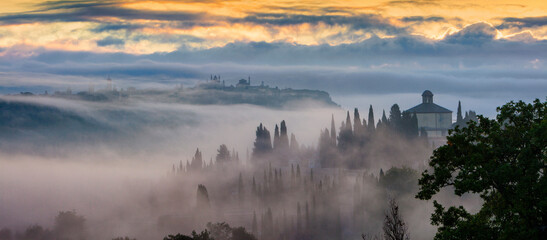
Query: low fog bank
point(138, 129)
point(133, 169)
point(145, 202)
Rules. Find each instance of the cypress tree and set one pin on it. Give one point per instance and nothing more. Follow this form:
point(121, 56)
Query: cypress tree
point(298, 172)
point(240, 188)
point(459, 118)
point(414, 125)
point(265, 178)
point(338, 226)
point(254, 225)
point(292, 174)
point(202, 198)
point(357, 126)
point(270, 175)
point(345, 138)
point(324, 148)
point(283, 137)
point(293, 145)
point(262, 142)
point(406, 125)
point(307, 217)
point(356, 121)
point(423, 133)
point(276, 138)
point(385, 122)
point(254, 185)
point(197, 161)
point(371, 121)
point(298, 218)
point(333, 131)
point(269, 222)
point(348, 122)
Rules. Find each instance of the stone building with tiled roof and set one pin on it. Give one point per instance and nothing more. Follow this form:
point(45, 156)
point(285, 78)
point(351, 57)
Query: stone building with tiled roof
point(432, 118)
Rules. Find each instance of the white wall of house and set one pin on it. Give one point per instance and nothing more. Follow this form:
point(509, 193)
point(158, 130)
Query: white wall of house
point(436, 124)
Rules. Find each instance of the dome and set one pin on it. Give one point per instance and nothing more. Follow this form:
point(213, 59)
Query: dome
point(427, 93)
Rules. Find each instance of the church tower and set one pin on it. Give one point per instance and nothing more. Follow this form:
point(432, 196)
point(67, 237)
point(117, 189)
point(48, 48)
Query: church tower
point(427, 97)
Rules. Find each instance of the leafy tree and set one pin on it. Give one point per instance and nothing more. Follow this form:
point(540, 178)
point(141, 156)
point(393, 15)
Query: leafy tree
point(240, 233)
point(5, 234)
point(400, 180)
point(220, 231)
point(69, 225)
point(223, 155)
point(503, 160)
point(36, 232)
point(395, 120)
point(204, 235)
point(178, 237)
point(124, 238)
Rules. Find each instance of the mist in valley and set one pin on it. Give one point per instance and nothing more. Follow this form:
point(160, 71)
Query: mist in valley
point(133, 169)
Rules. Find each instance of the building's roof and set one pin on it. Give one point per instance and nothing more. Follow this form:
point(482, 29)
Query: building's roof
point(427, 93)
point(428, 108)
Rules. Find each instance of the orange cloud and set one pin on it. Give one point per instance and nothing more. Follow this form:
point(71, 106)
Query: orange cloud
point(217, 23)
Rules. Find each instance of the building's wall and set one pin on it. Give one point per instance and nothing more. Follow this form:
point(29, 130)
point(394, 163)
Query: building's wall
point(436, 124)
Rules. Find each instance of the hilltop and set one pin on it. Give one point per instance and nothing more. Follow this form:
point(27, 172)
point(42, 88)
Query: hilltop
point(210, 92)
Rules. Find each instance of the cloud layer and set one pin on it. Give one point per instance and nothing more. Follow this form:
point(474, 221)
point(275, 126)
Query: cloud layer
point(399, 47)
point(149, 27)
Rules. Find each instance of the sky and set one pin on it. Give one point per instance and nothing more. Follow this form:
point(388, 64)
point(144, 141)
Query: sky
point(486, 52)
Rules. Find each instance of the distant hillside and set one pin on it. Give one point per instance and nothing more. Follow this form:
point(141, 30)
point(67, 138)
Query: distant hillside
point(212, 92)
point(262, 96)
point(28, 125)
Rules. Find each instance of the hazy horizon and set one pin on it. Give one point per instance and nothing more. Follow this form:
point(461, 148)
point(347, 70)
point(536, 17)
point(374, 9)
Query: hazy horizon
point(131, 98)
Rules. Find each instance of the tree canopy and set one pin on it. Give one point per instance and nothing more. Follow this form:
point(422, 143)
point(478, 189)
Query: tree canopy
point(503, 160)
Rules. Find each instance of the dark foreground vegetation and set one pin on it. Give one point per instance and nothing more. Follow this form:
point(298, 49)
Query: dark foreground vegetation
point(504, 161)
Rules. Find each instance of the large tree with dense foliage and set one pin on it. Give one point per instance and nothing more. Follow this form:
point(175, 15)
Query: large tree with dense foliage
point(263, 142)
point(503, 160)
point(204, 235)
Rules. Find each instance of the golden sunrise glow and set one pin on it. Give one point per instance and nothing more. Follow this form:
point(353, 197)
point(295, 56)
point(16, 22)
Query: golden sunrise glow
point(217, 23)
